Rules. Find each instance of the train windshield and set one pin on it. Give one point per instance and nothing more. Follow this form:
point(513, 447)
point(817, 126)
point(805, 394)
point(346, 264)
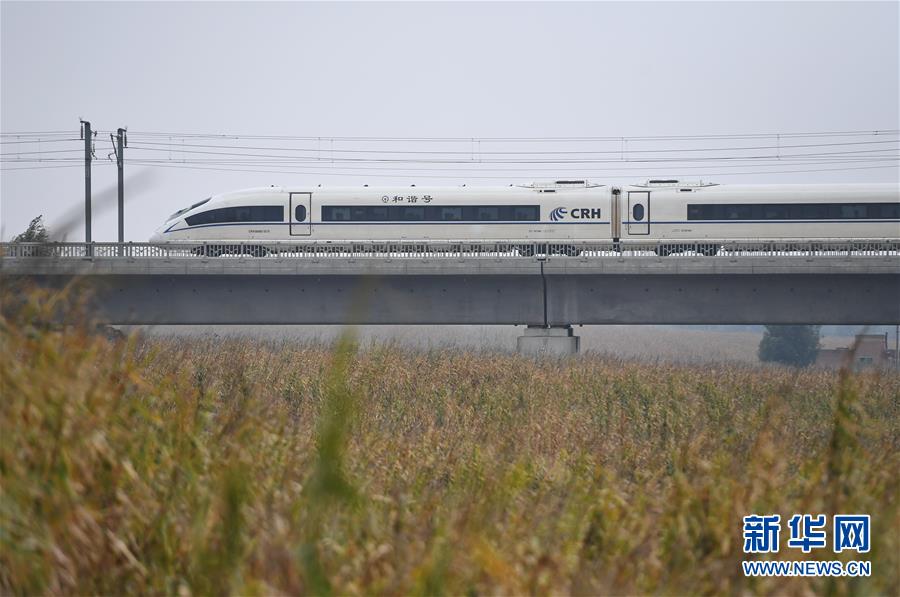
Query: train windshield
point(187, 209)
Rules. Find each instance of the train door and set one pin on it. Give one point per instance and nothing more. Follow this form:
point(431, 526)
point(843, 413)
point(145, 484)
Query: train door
point(300, 214)
point(638, 212)
point(615, 214)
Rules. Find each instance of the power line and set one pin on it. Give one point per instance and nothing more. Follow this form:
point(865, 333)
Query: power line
point(475, 177)
point(48, 166)
point(6, 160)
point(360, 162)
point(522, 161)
point(179, 146)
point(34, 133)
point(474, 168)
point(43, 151)
point(733, 161)
point(36, 141)
point(458, 176)
point(874, 132)
point(532, 139)
point(624, 150)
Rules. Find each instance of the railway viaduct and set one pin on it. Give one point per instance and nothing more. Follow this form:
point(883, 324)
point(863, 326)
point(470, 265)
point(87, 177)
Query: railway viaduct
point(484, 284)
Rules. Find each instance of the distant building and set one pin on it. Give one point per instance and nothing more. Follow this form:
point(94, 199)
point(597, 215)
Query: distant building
point(869, 351)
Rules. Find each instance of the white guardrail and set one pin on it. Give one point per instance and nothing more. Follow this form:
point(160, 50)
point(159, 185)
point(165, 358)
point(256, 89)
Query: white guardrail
point(452, 249)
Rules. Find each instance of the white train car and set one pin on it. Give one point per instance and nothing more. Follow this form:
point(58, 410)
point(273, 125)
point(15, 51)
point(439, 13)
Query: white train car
point(663, 210)
point(559, 211)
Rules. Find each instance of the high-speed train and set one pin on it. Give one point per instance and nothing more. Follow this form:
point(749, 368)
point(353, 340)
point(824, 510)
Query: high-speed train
point(557, 211)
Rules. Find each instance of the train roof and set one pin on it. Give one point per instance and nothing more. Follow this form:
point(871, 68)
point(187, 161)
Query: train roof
point(659, 185)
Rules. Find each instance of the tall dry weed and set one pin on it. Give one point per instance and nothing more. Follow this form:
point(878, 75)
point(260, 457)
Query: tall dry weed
point(220, 466)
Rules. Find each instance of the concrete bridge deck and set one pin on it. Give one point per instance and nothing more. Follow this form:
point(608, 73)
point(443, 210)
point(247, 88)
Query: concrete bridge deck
point(854, 282)
point(378, 265)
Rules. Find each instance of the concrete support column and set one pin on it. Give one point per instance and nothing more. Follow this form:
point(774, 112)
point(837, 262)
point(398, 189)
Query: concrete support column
point(553, 341)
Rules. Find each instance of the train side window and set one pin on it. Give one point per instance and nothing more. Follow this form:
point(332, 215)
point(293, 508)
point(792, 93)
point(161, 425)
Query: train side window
point(853, 211)
point(812, 211)
point(335, 214)
point(774, 212)
point(413, 213)
point(250, 213)
point(201, 218)
point(213, 216)
point(707, 212)
point(196, 219)
point(267, 213)
point(522, 213)
point(429, 213)
point(377, 214)
point(450, 214)
point(889, 211)
point(794, 211)
point(300, 213)
point(485, 214)
point(637, 212)
point(738, 212)
point(809, 211)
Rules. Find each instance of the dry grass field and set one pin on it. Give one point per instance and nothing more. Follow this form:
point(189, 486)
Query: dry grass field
point(670, 344)
point(217, 466)
point(650, 343)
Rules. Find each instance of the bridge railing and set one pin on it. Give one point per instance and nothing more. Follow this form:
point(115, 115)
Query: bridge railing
point(405, 249)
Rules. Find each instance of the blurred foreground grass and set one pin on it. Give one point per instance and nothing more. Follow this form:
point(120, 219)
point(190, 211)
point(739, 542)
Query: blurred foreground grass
point(246, 467)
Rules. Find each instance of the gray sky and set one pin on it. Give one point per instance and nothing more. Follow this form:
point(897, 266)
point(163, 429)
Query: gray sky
point(425, 70)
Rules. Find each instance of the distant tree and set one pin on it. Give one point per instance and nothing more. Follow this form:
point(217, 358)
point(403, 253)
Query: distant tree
point(795, 345)
point(36, 232)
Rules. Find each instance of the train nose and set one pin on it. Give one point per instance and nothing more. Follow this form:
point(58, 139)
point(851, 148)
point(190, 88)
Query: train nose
point(157, 236)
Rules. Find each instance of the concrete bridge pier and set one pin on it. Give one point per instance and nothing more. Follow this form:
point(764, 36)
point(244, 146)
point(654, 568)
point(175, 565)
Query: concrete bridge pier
point(548, 341)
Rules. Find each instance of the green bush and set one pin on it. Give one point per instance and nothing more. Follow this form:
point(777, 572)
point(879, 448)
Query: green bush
point(795, 345)
point(35, 233)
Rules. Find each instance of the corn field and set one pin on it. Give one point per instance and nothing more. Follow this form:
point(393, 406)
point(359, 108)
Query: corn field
point(237, 466)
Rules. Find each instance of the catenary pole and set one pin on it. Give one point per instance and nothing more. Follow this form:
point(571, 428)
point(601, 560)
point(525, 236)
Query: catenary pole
point(120, 163)
point(86, 134)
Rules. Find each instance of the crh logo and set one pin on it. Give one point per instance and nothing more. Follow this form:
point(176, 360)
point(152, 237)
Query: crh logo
point(558, 214)
point(582, 213)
